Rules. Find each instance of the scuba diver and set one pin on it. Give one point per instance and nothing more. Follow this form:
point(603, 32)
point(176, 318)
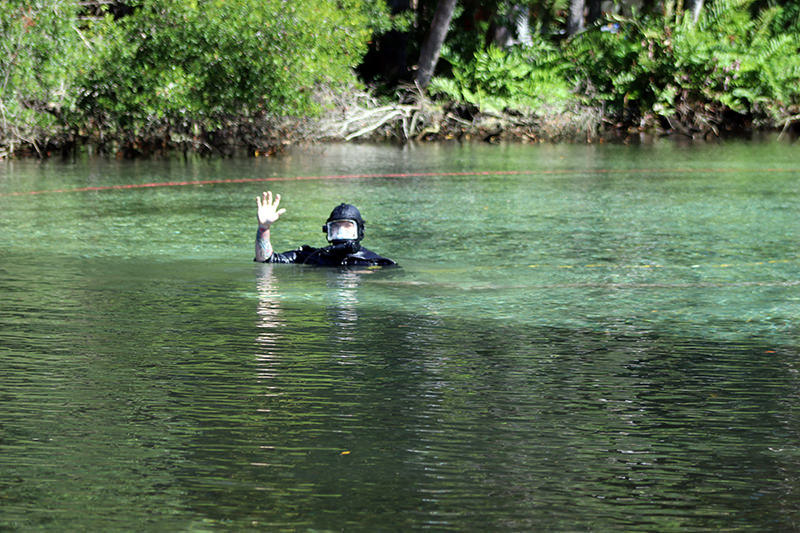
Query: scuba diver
point(344, 229)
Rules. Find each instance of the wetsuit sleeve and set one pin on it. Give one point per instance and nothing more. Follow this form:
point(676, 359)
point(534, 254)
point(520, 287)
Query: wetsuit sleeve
point(284, 257)
point(293, 256)
point(368, 257)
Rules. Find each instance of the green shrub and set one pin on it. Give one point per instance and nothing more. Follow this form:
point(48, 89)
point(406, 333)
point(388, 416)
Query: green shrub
point(202, 61)
point(518, 79)
point(39, 46)
point(728, 60)
point(734, 60)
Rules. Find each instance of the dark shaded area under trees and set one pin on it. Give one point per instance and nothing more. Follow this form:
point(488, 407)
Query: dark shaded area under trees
point(132, 78)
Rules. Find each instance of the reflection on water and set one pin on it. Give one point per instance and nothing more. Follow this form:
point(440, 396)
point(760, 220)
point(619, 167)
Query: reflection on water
point(580, 366)
point(269, 318)
point(345, 283)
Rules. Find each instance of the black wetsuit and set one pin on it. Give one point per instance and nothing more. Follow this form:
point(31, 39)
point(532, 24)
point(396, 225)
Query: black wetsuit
point(330, 256)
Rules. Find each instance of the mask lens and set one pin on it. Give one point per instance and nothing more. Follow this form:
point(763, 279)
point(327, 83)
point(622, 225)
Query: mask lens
point(342, 230)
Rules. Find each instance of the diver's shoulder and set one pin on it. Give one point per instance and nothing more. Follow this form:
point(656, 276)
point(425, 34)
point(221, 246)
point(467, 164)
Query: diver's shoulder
point(369, 255)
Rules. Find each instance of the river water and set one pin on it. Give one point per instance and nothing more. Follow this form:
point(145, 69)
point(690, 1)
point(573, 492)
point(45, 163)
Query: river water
point(577, 338)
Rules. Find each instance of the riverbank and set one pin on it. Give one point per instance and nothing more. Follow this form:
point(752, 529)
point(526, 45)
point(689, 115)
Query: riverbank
point(244, 77)
point(361, 117)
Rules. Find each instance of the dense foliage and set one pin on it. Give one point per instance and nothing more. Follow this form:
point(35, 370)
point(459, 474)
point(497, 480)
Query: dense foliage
point(179, 71)
point(179, 60)
point(647, 70)
point(175, 68)
point(525, 79)
point(39, 47)
point(726, 62)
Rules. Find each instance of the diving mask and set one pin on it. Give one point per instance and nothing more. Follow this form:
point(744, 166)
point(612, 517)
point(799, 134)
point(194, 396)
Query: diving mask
point(342, 230)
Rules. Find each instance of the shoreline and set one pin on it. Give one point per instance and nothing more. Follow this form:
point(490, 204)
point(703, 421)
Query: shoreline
point(417, 121)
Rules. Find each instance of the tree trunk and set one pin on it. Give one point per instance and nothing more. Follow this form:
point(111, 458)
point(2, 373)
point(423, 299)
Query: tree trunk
point(575, 21)
point(694, 7)
point(432, 47)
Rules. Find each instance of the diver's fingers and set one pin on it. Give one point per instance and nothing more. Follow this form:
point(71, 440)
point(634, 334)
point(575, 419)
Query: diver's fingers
point(277, 200)
point(266, 198)
point(280, 211)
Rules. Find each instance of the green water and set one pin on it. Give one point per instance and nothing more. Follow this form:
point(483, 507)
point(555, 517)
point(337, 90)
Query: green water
point(584, 338)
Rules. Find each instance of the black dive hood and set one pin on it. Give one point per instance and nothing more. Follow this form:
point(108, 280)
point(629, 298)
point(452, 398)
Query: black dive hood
point(346, 212)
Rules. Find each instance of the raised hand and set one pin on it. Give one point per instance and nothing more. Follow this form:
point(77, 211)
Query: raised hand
point(268, 211)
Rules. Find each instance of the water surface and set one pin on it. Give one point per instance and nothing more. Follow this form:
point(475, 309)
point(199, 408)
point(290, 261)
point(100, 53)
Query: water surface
point(584, 337)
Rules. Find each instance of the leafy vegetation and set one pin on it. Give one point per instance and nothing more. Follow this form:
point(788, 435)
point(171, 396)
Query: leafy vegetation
point(523, 79)
point(177, 69)
point(648, 70)
point(39, 46)
point(176, 63)
point(187, 72)
point(728, 61)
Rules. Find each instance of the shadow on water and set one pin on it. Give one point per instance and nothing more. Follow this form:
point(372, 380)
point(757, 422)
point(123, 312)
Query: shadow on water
point(179, 395)
point(306, 398)
point(363, 416)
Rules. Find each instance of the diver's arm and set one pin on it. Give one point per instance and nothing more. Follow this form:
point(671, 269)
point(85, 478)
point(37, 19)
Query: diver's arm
point(263, 245)
point(268, 213)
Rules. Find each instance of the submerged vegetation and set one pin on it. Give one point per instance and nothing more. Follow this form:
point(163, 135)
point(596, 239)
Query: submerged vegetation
point(209, 76)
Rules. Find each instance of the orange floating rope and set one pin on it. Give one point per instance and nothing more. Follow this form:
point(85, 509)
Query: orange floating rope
point(389, 175)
